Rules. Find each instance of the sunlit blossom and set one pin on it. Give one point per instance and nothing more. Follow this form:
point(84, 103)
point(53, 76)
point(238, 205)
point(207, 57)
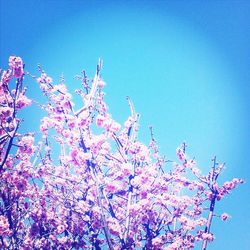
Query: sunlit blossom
point(86, 181)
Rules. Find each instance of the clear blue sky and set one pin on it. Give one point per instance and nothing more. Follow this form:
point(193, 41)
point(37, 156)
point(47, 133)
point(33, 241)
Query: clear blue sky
point(185, 65)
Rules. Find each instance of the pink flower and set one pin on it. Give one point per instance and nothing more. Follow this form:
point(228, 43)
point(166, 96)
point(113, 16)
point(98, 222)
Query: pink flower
point(157, 242)
point(4, 225)
point(127, 169)
point(64, 241)
point(5, 112)
point(101, 83)
point(195, 171)
point(156, 155)
point(208, 236)
point(129, 122)
point(6, 76)
point(61, 87)
point(67, 199)
point(181, 155)
point(47, 148)
point(224, 216)
point(16, 64)
point(49, 79)
point(61, 229)
point(52, 237)
point(23, 101)
point(112, 187)
point(209, 195)
point(236, 181)
point(38, 244)
point(12, 62)
point(18, 72)
point(73, 153)
point(26, 145)
point(114, 226)
point(82, 119)
point(115, 127)
point(66, 133)
point(71, 122)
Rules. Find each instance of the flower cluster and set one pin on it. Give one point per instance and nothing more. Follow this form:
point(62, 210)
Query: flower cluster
point(4, 226)
point(89, 183)
point(16, 64)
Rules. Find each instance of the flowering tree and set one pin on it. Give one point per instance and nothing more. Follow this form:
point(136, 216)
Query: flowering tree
point(88, 182)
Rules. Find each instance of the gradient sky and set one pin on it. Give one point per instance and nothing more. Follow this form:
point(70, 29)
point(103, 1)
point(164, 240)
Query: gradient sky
point(184, 64)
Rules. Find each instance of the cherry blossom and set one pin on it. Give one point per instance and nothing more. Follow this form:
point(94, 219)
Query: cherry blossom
point(84, 181)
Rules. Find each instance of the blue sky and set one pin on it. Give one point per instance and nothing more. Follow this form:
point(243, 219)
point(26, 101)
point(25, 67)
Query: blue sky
point(184, 64)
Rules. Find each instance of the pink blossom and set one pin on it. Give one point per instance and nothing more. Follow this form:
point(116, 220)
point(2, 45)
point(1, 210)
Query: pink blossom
point(82, 119)
point(28, 242)
point(47, 148)
point(49, 79)
point(39, 80)
point(4, 225)
point(63, 241)
point(112, 187)
point(114, 226)
point(127, 169)
point(196, 171)
point(26, 144)
point(208, 236)
point(13, 61)
point(5, 112)
point(129, 122)
point(61, 87)
point(157, 242)
point(6, 77)
point(16, 64)
point(18, 71)
point(52, 237)
point(201, 221)
point(38, 243)
point(115, 127)
point(156, 155)
point(66, 133)
point(181, 155)
point(23, 101)
point(224, 216)
point(43, 75)
point(83, 184)
point(101, 83)
point(73, 153)
point(61, 229)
